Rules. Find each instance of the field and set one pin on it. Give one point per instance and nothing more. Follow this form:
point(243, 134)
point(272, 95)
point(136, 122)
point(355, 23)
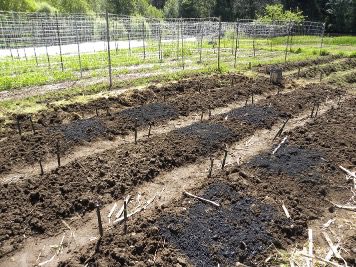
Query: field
point(215, 166)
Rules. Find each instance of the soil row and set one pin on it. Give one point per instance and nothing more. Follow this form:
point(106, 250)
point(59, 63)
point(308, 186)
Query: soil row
point(289, 66)
point(37, 205)
point(326, 70)
point(181, 99)
point(303, 175)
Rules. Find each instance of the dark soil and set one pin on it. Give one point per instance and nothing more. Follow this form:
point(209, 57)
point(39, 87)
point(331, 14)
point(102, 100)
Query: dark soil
point(254, 114)
point(293, 161)
point(86, 129)
point(181, 100)
point(251, 217)
point(73, 189)
point(238, 232)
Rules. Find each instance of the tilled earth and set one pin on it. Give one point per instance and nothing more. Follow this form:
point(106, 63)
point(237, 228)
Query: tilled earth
point(36, 206)
point(153, 105)
point(250, 224)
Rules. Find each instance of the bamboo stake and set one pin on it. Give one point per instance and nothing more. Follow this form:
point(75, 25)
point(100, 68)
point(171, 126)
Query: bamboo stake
point(202, 199)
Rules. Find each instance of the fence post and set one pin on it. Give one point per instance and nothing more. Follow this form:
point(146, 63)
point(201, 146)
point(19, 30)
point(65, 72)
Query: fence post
point(202, 28)
point(33, 41)
point(108, 41)
point(322, 39)
point(160, 43)
point(143, 39)
point(129, 36)
point(236, 41)
point(78, 47)
point(286, 52)
point(44, 36)
point(178, 28)
point(182, 36)
point(219, 43)
point(59, 42)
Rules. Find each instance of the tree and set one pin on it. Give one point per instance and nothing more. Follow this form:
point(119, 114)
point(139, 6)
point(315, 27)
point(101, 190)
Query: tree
point(171, 9)
point(341, 15)
point(276, 12)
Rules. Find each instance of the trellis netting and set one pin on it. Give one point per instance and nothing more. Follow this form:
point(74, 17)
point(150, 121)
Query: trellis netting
point(39, 48)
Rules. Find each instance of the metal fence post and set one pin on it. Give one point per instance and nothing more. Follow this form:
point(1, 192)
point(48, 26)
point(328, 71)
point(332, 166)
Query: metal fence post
point(59, 42)
point(219, 43)
point(108, 41)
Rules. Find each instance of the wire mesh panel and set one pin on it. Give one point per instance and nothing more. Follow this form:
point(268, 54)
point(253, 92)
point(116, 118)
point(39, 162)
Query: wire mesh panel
point(38, 48)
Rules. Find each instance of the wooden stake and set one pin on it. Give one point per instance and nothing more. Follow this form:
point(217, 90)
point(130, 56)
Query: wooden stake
point(202, 199)
point(211, 167)
point(202, 115)
point(96, 112)
point(321, 75)
point(317, 109)
point(225, 156)
point(281, 130)
point(107, 111)
point(125, 217)
point(32, 126)
point(18, 126)
point(149, 129)
point(298, 73)
point(136, 121)
point(247, 99)
point(58, 154)
point(312, 113)
point(101, 232)
point(252, 97)
point(41, 167)
point(209, 112)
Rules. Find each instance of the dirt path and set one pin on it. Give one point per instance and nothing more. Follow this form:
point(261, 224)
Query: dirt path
point(183, 178)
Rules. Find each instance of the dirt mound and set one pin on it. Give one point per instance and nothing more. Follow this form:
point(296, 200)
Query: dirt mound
point(149, 113)
point(209, 135)
point(252, 114)
point(294, 161)
point(209, 236)
point(83, 129)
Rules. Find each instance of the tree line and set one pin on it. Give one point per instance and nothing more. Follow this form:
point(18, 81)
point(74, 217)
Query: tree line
point(339, 15)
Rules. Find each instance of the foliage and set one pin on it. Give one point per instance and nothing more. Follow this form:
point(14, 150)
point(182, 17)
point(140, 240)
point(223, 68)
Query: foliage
point(276, 12)
point(341, 15)
point(171, 9)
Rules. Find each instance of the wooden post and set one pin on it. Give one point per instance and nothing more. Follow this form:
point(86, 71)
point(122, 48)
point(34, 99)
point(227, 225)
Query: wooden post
point(136, 122)
point(101, 231)
point(143, 39)
point(78, 47)
point(58, 154)
point(44, 36)
point(209, 112)
point(322, 39)
point(33, 41)
point(219, 44)
point(149, 129)
point(96, 112)
point(298, 73)
point(202, 115)
point(211, 167)
point(287, 43)
point(160, 44)
point(182, 37)
point(41, 167)
point(281, 130)
point(202, 24)
point(224, 159)
point(252, 98)
point(59, 42)
point(321, 75)
point(108, 41)
point(18, 126)
point(247, 99)
point(312, 113)
point(32, 126)
point(237, 42)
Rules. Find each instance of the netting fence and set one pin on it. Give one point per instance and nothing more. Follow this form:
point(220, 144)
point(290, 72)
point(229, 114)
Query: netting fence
point(37, 48)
